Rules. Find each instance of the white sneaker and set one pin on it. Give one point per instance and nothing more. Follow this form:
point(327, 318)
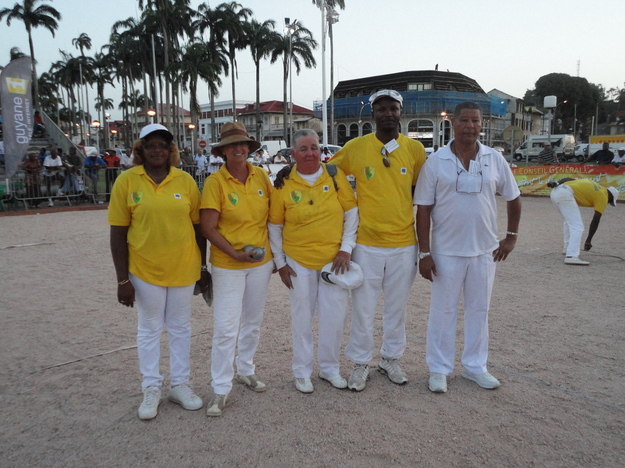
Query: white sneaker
point(216, 405)
point(149, 405)
point(185, 397)
point(337, 381)
point(393, 370)
point(575, 261)
point(358, 378)
point(438, 382)
point(252, 382)
point(50, 202)
point(485, 380)
point(304, 385)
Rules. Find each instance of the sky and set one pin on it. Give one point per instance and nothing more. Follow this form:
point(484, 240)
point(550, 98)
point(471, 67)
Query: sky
point(503, 44)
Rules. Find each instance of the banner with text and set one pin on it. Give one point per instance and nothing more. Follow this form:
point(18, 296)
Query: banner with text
point(17, 111)
point(532, 180)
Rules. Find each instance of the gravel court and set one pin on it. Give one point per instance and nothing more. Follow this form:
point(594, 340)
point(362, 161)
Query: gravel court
point(70, 385)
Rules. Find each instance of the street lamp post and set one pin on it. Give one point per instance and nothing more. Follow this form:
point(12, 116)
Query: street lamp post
point(96, 124)
point(363, 104)
point(114, 133)
point(151, 113)
point(192, 128)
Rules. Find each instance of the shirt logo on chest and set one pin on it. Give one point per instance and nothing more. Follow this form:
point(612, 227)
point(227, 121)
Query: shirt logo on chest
point(369, 172)
point(260, 192)
point(137, 196)
point(233, 198)
point(296, 196)
point(177, 196)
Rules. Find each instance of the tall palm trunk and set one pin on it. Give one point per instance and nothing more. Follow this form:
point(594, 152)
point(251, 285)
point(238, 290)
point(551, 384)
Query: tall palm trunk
point(32, 56)
point(257, 102)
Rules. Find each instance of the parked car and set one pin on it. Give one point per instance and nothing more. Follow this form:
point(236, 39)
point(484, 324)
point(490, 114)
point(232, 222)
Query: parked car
point(581, 151)
point(563, 145)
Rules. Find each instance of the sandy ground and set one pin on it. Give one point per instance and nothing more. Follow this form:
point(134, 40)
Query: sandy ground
point(70, 386)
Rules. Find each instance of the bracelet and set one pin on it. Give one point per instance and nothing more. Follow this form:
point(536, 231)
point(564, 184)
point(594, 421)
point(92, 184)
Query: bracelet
point(204, 268)
point(121, 283)
point(512, 233)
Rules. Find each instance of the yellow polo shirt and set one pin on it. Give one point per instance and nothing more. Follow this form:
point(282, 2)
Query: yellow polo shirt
point(243, 211)
point(384, 193)
point(589, 194)
point(161, 240)
point(312, 216)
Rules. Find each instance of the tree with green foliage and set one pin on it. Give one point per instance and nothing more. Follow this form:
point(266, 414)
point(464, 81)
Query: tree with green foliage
point(583, 99)
point(262, 38)
point(33, 16)
point(295, 46)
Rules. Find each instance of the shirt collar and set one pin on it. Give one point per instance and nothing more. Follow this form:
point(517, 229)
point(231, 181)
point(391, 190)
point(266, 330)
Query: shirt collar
point(482, 151)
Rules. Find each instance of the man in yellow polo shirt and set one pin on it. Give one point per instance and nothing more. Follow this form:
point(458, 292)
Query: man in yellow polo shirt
point(568, 194)
point(385, 165)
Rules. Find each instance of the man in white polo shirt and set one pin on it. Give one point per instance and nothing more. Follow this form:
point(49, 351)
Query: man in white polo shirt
point(455, 195)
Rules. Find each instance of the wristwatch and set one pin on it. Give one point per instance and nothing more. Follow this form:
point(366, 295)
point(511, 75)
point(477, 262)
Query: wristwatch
point(204, 268)
point(422, 255)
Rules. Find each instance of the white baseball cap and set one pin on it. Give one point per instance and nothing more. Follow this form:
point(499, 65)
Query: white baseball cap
point(622, 148)
point(386, 93)
point(615, 194)
point(350, 279)
point(149, 129)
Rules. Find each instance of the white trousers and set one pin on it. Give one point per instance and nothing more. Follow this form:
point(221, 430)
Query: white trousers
point(388, 270)
point(474, 276)
point(562, 196)
point(310, 292)
point(238, 306)
point(158, 306)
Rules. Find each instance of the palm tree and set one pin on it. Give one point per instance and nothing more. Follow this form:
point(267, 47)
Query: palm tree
point(261, 38)
point(67, 74)
point(48, 94)
point(102, 68)
point(295, 46)
point(83, 42)
point(213, 20)
point(33, 16)
point(331, 18)
point(234, 17)
point(175, 18)
point(196, 64)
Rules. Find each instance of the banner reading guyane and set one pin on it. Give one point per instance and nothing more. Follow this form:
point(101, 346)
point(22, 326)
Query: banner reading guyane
point(17, 111)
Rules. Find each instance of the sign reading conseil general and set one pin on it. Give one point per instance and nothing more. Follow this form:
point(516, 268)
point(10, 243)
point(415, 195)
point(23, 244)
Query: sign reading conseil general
point(17, 111)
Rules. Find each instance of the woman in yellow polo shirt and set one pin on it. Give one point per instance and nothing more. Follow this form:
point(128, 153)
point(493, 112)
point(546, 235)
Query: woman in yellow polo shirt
point(312, 222)
point(158, 252)
point(234, 210)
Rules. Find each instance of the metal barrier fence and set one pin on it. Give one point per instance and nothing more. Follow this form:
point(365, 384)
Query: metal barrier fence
point(83, 185)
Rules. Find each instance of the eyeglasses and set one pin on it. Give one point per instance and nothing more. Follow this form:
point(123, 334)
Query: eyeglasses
point(156, 146)
point(469, 182)
point(385, 160)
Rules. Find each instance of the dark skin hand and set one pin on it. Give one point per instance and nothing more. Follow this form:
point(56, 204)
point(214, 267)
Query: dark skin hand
point(281, 175)
point(119, 249)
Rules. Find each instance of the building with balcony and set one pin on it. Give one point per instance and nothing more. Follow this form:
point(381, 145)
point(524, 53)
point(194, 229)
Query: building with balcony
point(223, 114)
point(271, 123)
point(429, 99)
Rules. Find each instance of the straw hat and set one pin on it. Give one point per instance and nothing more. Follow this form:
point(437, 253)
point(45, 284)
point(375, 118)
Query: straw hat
point(233, 132)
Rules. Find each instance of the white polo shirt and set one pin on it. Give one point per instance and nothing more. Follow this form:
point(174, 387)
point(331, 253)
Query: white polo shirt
point(464, 224)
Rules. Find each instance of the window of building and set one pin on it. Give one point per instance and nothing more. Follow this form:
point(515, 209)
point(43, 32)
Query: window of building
point(422, 130)
point(353, 130)
point(367, 128)
point(419, 86)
